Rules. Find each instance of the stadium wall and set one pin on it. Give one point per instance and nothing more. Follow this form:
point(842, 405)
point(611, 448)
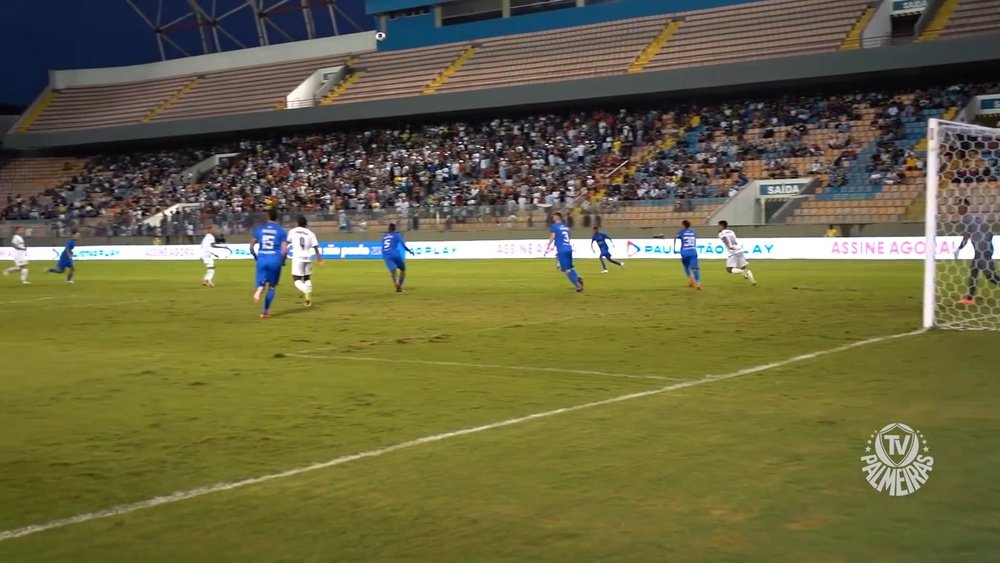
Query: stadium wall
point(421, 31)
point(324, 47)
point(922, 59)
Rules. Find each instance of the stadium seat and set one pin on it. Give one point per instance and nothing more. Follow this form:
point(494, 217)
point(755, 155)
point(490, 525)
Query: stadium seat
point(973, 17)
point(394, 74)
point(793, 27)
point(245, 90)
point(90, 107)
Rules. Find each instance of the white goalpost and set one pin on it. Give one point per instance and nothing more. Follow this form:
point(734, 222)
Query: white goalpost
point(961, 282)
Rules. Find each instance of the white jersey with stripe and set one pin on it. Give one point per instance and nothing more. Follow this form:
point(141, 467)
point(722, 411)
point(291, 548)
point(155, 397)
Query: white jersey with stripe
point(207, 245)
point(302, 241)
point(729, 240)
point(20, 249)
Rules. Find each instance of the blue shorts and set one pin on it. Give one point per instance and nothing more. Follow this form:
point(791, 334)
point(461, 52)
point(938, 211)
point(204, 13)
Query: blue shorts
point(268, 272)
point(63, 264)
point(605, 253)
point(565, 260)
point(394, 263)
point(690, 261)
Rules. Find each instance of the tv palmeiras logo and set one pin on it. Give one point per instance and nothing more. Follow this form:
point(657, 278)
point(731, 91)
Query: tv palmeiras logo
point(897, 460)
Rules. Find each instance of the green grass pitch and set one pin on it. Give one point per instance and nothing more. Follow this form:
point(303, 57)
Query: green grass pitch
point(137, 382)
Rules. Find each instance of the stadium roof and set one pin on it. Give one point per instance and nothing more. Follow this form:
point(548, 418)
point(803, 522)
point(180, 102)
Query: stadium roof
point(184, 28)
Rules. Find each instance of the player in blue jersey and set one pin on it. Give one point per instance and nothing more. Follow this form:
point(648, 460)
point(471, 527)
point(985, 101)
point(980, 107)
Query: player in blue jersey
point(560, 238)
point(66, 263)
point(602, 241)
point(393, 252)
point(271, 243)
point(689, 254)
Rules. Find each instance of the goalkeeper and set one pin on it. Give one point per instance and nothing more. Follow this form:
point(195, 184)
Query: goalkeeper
point(976, 229)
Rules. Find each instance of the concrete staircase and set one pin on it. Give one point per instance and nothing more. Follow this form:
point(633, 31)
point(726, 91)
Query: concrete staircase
point(450, 70)
point(655, 46)
point(853, 39)
point(170, 100)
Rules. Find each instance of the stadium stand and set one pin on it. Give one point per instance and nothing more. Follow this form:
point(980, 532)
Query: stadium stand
point(401, 73)
point(973, 17)
point(104, 106)
point(638, 45)
point(641, 168)
point(793, 27)
point(245, 90)
point(557, 55)
point(27, 177)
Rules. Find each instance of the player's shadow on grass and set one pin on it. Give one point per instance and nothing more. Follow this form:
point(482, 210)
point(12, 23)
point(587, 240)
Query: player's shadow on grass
point(300, 308)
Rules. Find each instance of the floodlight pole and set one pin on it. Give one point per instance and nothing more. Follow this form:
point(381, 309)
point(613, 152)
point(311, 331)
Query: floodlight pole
point(204, 22)
point(308, 17)
point(259, 19)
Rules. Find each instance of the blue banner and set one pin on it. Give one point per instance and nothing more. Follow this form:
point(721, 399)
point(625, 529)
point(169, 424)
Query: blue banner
point(989, 103)
point(900, 7)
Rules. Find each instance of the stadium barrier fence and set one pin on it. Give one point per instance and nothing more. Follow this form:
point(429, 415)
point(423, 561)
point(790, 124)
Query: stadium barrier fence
point(859, 248)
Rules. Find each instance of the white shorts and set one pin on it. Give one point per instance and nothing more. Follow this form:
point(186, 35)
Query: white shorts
point(738, 260)
point(300, 268)
point(209, 261)
point(20, 259)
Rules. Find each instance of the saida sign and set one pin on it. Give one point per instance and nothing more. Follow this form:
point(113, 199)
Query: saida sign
point(782, 189)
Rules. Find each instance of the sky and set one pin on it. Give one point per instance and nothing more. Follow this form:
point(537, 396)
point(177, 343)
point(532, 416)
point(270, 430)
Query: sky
point(39, 35)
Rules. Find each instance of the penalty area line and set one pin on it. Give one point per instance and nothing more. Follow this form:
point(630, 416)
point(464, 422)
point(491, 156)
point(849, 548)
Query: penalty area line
point(178, 496)
point(484, 366)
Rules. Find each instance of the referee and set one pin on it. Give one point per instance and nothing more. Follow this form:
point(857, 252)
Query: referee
point(976, 229)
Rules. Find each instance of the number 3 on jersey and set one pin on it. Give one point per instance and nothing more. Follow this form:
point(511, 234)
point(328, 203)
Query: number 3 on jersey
point(565, 236)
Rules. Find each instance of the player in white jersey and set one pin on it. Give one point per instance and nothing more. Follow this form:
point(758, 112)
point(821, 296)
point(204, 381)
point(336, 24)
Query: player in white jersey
point(303, 244)
point(20, 255)
point(209, 244)
point(736, 260)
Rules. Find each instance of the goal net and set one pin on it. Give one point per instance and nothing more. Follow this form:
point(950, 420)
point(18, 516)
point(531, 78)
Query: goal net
point(961, 283)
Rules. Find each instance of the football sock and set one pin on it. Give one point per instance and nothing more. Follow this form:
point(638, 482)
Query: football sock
point(300, 285)
point(697, 275)
point(573, 278)
point(12, 270)
point(750, 276)
point(209, 274)
point(69, 276)
point(737, 271)
point(268, 299)
point(308, 284)
point(603, 265)
point(24, 274)
point(615, 262)
point(402, 278)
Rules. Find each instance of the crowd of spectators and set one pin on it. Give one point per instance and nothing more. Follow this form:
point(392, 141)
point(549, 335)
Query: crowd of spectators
point(488, 171)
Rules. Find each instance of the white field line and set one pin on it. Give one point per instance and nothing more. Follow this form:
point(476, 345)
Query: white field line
point(220, 487)
point(71, 305)
point(26, 300)
point(485, 366)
